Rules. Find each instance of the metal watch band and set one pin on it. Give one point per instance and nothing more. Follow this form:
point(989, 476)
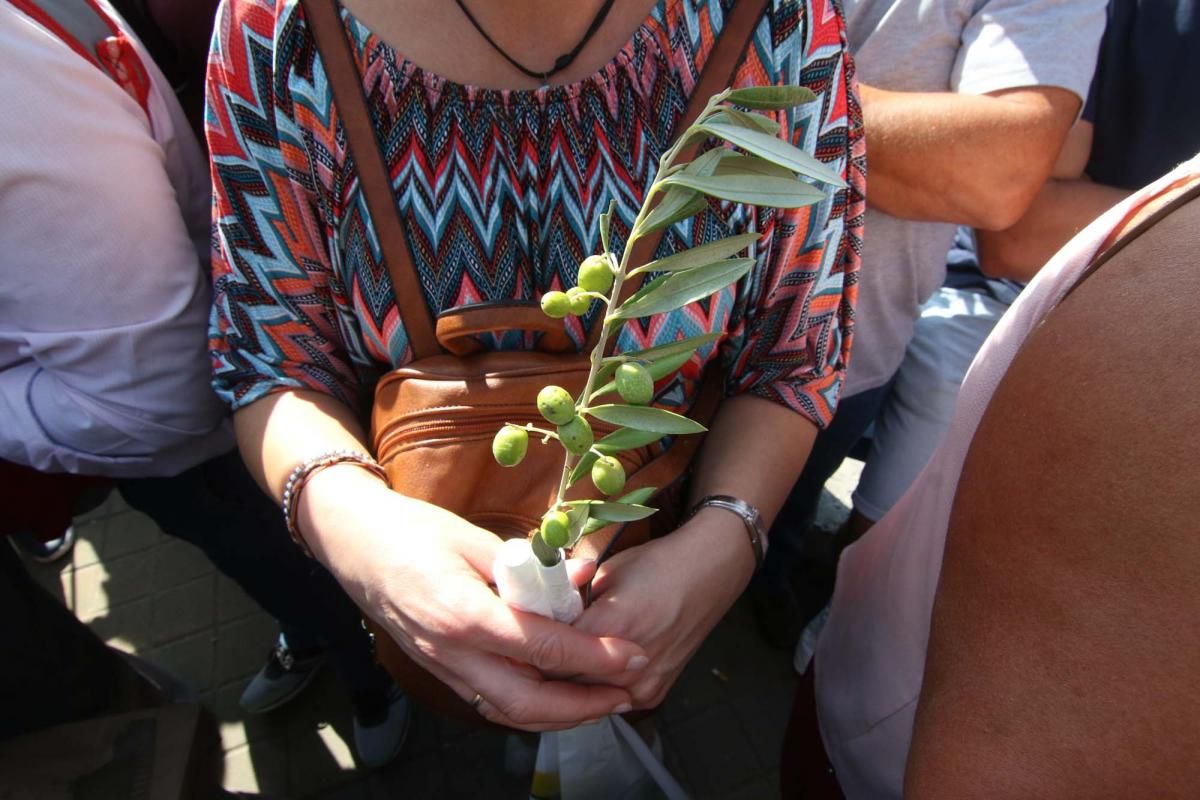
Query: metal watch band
point(748, 514)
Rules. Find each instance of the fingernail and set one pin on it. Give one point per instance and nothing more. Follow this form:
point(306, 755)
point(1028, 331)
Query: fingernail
point(624, 708)
point(637, 662)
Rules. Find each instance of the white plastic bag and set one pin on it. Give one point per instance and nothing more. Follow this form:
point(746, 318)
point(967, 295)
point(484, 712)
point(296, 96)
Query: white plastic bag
point(607, 759)
point(603, 760)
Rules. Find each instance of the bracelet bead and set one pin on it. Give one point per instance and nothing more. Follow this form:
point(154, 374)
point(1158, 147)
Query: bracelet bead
point(305, 471)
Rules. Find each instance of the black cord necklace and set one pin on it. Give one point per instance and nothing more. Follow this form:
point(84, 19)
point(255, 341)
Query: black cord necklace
point(560, 63)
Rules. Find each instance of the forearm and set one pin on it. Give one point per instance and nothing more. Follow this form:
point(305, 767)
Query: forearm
point(976, 160)
point(754, 451)
point(1061, 209)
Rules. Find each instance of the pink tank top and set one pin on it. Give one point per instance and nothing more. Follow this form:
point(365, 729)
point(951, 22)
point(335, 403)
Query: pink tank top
point(870, 658)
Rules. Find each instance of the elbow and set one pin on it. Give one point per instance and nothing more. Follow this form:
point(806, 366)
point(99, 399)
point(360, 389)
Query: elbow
point(1000, 208)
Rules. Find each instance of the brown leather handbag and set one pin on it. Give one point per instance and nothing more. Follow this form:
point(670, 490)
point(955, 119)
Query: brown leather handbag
point(433, 419)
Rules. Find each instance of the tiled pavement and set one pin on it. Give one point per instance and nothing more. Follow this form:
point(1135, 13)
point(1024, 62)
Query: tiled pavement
point(160, 598)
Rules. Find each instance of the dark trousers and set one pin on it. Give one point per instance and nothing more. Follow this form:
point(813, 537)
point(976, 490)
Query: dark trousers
point(794, 557)
point(219, 508)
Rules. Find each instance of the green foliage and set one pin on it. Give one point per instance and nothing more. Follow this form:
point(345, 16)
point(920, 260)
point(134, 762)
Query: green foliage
point(759, 169)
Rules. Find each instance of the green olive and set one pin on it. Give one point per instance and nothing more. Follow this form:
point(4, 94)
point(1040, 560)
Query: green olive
point(608, 475)
point(510, 445)
point(594, 274)
point(556, 404)
point(555, 529)
point(556, 304)
point(579, 301)
point(576, 435)
point(635, 384)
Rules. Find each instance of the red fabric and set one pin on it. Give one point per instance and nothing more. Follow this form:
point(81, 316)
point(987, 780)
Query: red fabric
point(40, 502)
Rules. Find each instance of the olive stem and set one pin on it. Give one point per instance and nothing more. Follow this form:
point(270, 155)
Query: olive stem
point(666, 165)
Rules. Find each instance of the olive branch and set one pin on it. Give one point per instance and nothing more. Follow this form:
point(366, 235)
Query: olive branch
point(764, 173)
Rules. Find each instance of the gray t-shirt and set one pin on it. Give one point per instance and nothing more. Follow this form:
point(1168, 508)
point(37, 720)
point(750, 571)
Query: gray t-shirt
point(965, 46)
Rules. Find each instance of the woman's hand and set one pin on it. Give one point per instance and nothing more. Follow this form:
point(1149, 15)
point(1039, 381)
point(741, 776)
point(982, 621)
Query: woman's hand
point(423, 573)
point(667, 595)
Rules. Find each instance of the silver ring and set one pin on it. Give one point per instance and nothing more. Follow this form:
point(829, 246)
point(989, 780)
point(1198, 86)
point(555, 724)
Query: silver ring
point(476, 700)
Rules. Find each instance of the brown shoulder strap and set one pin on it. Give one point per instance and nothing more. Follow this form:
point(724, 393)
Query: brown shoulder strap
point(326, 25)
point(717, 74)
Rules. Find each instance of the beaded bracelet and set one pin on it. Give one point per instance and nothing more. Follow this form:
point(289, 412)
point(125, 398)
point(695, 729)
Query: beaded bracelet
point(304, 472)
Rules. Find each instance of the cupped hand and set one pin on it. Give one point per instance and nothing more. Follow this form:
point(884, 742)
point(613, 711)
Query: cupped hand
point(423, 574)
point(667, 595)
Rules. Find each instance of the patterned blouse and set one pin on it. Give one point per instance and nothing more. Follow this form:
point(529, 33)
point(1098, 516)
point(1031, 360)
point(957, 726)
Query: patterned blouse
point(500, 193)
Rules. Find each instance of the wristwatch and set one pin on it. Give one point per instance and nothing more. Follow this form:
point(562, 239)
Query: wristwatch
point(749, 515)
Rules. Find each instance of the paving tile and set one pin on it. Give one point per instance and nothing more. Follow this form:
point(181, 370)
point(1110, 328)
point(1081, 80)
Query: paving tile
point(258, 767)
point(232, 602)
point(88, 539)
point(715, 752)
point(128, 531)
point(113, 503)
point(764, 717)
point(762, 788)
point(359, 788)
point(236, 727)
point(183, 610)
point(474, 767)
point(126, 627)
point(417, 779)
point(698, 687)
point(190, 660)
point(177, 562)
point(318, 759)
point(242, 647)
point(112, 583)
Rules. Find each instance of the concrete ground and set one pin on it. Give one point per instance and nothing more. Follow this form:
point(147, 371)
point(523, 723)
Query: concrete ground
point(142, 592)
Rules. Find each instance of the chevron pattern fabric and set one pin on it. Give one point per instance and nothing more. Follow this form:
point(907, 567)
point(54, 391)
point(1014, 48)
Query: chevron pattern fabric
point(500, 194)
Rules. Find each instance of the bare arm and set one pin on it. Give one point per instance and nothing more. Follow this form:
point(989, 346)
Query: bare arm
point(423, 573)
point(1063, 652)
point(1065, 205)
point(975, 160)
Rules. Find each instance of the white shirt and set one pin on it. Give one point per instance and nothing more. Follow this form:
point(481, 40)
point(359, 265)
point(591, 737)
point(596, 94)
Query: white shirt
point(104, 291)
point(964, 46)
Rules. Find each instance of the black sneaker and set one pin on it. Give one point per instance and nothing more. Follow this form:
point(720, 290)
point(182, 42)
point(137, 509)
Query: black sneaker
point(284, 676)
point(44, 552)
point(381, 720)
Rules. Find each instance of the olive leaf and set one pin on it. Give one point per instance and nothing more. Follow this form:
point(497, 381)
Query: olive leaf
point(677, 289)
point(636, 497)
point(688, 345)
point(646, 418)
point(758, 190)
point(605, 224)
point(618, 441)
point(742, 119)
point(772, 98)
point(577, 518)
point(612, 511)
point(678, 203)
point(544, 552)
point(774, 150)
point(703, 255)
point(661, 368)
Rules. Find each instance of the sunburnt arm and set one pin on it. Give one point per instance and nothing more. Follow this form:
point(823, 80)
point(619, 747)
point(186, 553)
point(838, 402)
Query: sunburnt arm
point(1065, 205)
point(975, 160)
